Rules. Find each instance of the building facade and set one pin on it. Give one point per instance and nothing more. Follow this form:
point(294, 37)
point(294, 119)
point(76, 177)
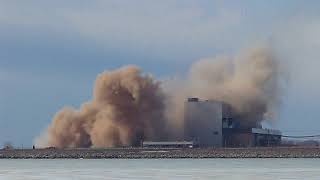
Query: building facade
point(203, 122)
point(212, 124)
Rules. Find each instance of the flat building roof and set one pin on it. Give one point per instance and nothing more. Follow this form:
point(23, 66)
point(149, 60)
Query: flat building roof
point(168, 143)
point(266, 131)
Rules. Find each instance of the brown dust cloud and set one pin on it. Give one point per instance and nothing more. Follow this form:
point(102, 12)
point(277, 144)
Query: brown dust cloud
point(129, 105)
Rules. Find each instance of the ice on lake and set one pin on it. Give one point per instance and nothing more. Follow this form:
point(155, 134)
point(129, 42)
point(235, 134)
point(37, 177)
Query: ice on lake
point(262, 169)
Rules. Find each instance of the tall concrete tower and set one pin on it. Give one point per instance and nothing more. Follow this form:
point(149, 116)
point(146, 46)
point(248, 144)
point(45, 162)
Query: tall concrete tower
point(203, 122)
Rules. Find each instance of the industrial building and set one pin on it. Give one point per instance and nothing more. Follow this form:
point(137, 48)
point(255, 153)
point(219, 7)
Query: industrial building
point(213, 124)
point(168, 144)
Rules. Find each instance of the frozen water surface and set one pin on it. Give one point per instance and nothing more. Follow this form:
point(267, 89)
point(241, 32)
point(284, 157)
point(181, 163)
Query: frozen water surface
point(247, 169)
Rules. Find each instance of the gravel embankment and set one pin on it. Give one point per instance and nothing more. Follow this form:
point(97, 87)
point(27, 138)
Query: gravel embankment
point(137, 153)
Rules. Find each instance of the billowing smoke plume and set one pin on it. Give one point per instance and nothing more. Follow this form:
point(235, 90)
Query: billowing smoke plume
point(249, 82)
point(129, 106)
point(126, 106)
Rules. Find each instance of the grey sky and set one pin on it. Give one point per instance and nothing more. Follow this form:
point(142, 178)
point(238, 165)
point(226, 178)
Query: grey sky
point(51, 51)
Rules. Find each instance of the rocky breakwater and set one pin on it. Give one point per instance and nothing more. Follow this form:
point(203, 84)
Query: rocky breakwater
point(138, 153)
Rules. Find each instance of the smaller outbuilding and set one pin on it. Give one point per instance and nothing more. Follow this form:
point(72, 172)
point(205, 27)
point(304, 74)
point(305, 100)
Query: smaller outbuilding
point(168, 144)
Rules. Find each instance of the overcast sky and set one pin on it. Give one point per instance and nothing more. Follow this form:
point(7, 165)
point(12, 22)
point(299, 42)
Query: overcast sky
point(51, 51)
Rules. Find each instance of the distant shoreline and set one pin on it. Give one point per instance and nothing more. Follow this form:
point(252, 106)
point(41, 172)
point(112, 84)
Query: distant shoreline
point(156, 153)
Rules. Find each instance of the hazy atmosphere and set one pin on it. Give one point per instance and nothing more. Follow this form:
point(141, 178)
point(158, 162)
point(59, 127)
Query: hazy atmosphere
point(52, 52)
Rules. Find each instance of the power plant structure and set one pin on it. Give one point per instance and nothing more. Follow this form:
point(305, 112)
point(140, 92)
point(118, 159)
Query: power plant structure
point(212, 123)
